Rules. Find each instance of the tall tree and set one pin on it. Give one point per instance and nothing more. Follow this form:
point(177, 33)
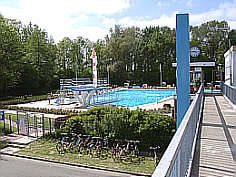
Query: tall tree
point(10, 55)
point(38, 59)
point(212, 38)
point(232, 37)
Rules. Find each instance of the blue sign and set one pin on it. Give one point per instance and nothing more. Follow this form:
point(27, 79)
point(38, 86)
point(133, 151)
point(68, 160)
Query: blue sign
point(194, 51)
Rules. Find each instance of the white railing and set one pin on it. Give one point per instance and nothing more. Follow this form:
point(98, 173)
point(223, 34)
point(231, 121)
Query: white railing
point(230, 93)
point(177, 159)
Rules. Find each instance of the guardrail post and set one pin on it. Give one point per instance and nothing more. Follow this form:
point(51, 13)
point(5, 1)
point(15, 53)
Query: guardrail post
point(36, 126)
point(27, 119)
point(50, 126)
point(10, 122)
point(43, 124)
point(4, 122)
point(17, 122)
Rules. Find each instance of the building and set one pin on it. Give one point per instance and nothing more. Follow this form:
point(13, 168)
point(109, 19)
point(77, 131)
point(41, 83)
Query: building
point(230, 66)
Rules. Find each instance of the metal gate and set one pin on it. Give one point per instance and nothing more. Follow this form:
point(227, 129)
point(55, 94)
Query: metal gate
point(30, 124)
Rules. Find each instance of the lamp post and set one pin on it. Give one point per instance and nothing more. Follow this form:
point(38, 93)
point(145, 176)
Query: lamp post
point(160, 75)
point(108, 70)
point(108, 76)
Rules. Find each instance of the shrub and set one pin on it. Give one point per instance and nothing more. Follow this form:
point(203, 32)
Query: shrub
point(121, 123)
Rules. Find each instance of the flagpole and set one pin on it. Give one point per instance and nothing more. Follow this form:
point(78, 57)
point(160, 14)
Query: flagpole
point(94, 58)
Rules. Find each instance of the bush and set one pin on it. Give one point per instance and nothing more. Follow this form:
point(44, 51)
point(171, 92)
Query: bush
point(120, 123)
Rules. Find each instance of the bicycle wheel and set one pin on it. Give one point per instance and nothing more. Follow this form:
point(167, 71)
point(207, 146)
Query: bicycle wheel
point(124, 156)
point(83, 150)
point(115, 155)
point(94, 151)
point(75, 148)
point(67, 147)
point(135, 158)
point(60, 148)
point(103, 153)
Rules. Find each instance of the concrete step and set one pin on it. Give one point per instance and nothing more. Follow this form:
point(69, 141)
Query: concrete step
point(9, 150)
point(19, 146)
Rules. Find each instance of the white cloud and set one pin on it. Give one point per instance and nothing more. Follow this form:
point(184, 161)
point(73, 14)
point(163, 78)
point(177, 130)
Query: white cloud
point(108, 22)
point(232, 24)
point(197, 19)
point(225, 11)
point(64, 18)
point(76, 6)
point(71, 18)
point(142, 23)
point(92, 32)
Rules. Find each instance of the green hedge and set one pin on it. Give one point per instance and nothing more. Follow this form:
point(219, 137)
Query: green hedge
point(120, 123)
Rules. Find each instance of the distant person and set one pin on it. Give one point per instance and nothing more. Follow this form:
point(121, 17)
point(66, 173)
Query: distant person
point(49, 98)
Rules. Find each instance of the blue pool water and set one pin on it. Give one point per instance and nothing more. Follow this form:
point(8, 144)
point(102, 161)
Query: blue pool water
point(130, 98)
point(212, 91)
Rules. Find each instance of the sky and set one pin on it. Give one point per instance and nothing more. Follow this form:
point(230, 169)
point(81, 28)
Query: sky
point(92, 19)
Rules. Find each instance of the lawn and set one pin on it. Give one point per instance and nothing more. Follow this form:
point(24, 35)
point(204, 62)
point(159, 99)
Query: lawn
point(20, 100)
point(3, 144)
point(31, 119)
point(7, 128)
point(47, 149)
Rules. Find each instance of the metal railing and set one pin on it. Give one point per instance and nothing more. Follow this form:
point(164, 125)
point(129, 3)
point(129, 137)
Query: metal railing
point(229, 92)
point(177, 159)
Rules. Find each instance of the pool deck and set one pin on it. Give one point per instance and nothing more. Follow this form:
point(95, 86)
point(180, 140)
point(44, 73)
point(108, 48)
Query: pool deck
point(45, 104)
point(157, 105)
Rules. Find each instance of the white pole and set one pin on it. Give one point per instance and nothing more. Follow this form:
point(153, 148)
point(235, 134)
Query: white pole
point(160, 75)
point(108, 78)
point(94, 58)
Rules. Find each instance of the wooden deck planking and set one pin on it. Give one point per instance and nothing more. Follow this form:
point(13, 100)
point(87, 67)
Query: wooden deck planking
point(216, 146)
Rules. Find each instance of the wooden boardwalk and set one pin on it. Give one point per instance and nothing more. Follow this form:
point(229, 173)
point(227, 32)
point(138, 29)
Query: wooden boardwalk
point(215, 153)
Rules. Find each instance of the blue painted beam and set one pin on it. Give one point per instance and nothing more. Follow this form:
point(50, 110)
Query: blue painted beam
point(183, 60)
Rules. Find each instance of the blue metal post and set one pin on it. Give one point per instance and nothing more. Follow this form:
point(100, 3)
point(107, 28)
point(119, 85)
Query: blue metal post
point(4, 122)
point(183, 76)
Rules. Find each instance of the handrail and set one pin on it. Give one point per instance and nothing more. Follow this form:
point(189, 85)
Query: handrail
point(177, 159)
point(230, 93)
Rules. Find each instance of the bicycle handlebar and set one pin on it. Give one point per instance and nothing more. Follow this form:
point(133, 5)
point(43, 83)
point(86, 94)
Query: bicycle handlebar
point(154, 148)
point(63, 134)
point(132, 141)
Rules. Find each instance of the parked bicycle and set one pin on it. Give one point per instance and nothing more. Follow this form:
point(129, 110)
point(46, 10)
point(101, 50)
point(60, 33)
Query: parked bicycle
point(154, 149)
point(74, 143)
point(62, 142)
point(97, 147)
point(100, 147)
point(130, 151)
point(126, 152)
point(115, 150)
point(85, 147)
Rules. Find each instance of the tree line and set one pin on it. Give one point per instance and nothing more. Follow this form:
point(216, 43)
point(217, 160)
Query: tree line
point(31, 62)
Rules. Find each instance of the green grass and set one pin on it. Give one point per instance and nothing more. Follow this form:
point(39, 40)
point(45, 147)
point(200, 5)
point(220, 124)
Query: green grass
point(47, 149)
point(19, 100)
point(46, 120)
point(8, 131)
point(3, 144)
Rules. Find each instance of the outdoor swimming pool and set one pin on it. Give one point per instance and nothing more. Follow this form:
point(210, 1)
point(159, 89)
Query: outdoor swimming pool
point(130, 98)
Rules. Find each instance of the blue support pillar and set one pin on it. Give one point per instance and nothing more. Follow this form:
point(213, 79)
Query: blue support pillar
point(183, 59)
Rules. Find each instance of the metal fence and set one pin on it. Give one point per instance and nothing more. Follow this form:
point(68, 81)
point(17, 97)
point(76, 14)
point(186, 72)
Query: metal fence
point(177, 159)
point(29, 124)
point(230, 93)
